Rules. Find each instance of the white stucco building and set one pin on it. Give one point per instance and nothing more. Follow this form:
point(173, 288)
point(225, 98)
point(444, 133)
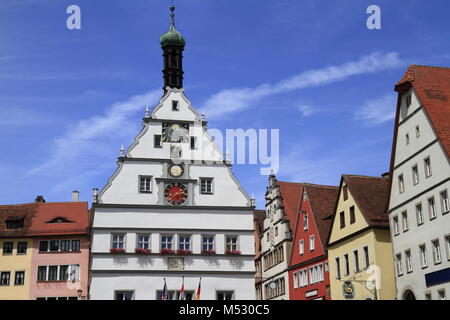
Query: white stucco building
point(173, 208)
point(282, 205)
point(419, 204)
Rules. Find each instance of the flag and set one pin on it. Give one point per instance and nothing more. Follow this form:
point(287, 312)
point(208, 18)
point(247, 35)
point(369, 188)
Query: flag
point(181, 296)
point(197, 296)
point(174, 297)
point(165, 293)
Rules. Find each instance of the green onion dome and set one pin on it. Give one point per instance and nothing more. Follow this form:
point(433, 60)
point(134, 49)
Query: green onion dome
point(172, 37)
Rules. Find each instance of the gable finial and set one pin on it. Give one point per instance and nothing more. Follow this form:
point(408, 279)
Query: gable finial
point(122, 151)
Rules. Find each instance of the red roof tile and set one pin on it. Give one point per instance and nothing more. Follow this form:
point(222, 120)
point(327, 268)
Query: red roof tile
point(322, 200)
point(432, 85)
point(291, 195)
point(371, 196)
point(51, 218)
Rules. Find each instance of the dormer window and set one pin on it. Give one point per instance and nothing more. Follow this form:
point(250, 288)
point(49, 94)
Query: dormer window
point(59, 220)
point(14, 224)
point(408, 100)
point(175, 106)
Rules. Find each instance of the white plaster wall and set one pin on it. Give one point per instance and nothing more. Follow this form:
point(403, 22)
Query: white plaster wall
point(427, 135)
point(430, 230)
point(164, 109)
point(102, 239)
point(146, 286)
point(157, 262)
point(173, 219)
point(417, 235)
point(124, 187)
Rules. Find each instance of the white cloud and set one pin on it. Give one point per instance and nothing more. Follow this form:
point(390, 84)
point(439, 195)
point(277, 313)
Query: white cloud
point(90, 142)
point(306, 110)
point(377, 110)
point(233, 100)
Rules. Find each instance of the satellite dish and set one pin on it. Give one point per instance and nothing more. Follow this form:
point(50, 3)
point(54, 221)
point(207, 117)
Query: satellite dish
point(273, 285)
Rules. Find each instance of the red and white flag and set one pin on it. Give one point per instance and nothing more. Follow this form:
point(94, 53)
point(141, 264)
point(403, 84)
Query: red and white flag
point(181, 295)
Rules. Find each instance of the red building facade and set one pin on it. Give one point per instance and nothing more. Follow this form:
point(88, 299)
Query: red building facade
point(309, 273)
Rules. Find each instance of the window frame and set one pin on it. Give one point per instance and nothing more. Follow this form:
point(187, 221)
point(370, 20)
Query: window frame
point(399, 264)
point(163, 244)
point(175, 105)
point(5, 243)
point(139, 242)
point(305, 222)
point(436, 253)
point(405, 222)
point(189, 242)
point(427, 167)
point(123, 241)
point(445, 205)
point(342, 219)
point(206, 179)
point(401, 183)
point(408, 261)
point(193, 143)
point(415, 174)
point(432, 208)
point(150, 185)
point(312, 244)
point(155, 145)
point(356, 260)
point(423, 256)
point(15, 277)
point(301, 247)
point(208, 243)
point(8, 278)
point(226, 242)
point(366, 257)
point(23, 243)
point(395, 225)
point(346, 265)
point(352, 214)
point(419, 214)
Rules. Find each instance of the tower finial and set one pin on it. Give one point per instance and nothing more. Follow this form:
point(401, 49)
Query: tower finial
point(172, 15)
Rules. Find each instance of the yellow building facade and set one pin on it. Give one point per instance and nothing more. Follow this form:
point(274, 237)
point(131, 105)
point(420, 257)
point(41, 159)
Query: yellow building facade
point(15, 268)
point(359, 245)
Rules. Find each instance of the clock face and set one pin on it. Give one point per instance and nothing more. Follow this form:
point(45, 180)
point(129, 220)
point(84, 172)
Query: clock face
point(175, 132)
point(176, 193)
point(175, 170)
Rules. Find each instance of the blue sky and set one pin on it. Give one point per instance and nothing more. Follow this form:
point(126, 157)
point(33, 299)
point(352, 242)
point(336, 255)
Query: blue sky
point(70, 98)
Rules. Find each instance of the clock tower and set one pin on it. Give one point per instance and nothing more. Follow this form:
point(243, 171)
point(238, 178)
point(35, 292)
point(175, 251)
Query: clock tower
point(173, 208)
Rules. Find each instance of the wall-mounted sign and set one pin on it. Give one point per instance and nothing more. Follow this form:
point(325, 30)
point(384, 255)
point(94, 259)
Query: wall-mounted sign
point(348, 290)
point(311, 293)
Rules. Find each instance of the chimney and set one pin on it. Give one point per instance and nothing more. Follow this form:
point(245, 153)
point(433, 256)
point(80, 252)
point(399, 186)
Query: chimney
point(75, 196)
point(39, 199)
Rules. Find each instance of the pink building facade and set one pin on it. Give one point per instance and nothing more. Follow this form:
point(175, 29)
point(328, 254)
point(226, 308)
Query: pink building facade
point(60, 252)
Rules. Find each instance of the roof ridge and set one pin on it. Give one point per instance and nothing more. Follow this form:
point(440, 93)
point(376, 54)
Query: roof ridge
point(424, 66)
point(278, 181)
point(363, 176)
point(323, 186)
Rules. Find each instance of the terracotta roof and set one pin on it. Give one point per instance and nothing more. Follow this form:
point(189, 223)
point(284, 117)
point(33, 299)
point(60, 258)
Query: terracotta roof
point(432, 85)
point(371, 196)
point(51, 218)
point(291, 194)
point(258, 217)
point(322, 200)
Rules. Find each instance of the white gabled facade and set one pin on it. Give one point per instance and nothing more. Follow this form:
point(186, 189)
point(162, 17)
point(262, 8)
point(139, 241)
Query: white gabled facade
point(133, 210)
point(420, 177)
point(276, 244)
